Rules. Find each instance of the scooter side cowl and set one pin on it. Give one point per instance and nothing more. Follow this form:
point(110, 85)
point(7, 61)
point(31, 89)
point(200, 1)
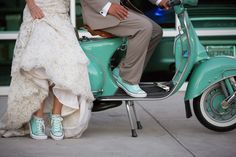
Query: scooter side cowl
point(99, 52)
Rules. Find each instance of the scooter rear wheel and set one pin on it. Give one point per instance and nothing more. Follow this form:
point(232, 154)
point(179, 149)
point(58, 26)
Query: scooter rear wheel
point(208, 110)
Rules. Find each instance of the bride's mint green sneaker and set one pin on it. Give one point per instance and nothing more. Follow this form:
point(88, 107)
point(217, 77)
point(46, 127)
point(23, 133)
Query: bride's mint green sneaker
point(37, 128)
point(56, 130)
point(131, 90)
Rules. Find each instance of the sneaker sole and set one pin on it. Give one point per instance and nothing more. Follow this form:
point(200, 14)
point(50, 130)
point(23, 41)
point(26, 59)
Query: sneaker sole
point(36, 137)
point(56, 137)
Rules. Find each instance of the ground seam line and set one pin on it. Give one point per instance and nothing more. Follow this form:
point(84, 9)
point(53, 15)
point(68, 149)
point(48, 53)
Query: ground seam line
point(172, 135)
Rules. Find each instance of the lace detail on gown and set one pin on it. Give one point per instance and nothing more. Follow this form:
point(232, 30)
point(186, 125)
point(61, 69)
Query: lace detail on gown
point(49, 44)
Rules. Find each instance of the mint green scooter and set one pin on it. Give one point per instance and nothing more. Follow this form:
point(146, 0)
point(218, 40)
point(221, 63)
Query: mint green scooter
point(211, 85)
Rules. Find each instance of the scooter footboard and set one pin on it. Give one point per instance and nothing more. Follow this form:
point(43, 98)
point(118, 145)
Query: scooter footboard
point(208, 73)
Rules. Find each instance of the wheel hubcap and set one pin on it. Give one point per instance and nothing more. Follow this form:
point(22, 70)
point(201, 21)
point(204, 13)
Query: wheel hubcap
point(213, 107)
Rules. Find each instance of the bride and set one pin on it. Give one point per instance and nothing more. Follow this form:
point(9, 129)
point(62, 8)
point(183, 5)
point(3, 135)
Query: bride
point(49, 71)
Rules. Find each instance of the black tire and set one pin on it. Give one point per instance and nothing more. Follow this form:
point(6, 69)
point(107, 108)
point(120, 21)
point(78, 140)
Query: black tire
point(208, 110)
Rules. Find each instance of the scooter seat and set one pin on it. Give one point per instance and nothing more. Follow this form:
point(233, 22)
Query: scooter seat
point(98, 32)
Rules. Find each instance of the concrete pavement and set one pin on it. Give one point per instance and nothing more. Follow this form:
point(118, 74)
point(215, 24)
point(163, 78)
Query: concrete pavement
point(166, 133)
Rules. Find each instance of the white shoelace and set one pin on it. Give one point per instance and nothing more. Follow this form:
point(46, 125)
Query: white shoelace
point(40, 126)
point(56, 124)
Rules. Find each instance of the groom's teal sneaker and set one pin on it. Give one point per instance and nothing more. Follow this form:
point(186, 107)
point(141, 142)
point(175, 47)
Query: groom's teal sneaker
point(131, 90)
point(37, 128)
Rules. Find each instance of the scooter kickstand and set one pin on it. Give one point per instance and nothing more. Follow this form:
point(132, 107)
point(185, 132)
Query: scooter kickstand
point(139, 125)
point(133, 130)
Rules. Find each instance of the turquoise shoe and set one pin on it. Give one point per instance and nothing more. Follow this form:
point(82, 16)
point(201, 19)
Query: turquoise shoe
point(131, 90)
point(37, 128)
point(56, 131)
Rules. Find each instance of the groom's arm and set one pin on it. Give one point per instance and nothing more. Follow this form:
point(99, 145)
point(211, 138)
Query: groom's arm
point(105, 7)
point(162, 3)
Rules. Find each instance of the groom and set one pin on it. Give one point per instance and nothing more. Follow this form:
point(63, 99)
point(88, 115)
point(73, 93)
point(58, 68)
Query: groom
point(143, 36)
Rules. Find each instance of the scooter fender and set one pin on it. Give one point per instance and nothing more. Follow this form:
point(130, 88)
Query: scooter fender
point(208, 73)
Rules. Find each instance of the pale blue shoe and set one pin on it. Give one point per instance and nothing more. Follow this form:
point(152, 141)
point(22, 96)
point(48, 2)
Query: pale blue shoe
point(56, 131)
point(131, 90)
point(37, 128)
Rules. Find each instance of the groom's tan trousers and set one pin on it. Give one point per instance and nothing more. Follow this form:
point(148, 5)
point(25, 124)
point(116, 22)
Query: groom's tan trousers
point(143, 36)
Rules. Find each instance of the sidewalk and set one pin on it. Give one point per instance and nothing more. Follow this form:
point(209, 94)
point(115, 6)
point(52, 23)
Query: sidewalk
point(166, 133)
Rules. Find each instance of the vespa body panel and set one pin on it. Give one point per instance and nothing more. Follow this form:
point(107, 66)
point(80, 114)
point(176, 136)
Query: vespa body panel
point(208, 73)
point(99, 52)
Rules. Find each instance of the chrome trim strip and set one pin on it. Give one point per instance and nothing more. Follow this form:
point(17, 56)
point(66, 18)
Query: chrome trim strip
point(10, 35)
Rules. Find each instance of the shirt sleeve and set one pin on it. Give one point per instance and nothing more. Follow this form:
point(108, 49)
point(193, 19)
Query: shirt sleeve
point(158, 2)
point(105, 9)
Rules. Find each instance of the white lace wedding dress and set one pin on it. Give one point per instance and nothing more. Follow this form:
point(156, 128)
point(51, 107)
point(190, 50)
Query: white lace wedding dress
point(47, 52)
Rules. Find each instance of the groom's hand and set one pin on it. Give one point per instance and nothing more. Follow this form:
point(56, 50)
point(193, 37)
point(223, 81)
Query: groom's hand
point(163, 4)
point(118, 11)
